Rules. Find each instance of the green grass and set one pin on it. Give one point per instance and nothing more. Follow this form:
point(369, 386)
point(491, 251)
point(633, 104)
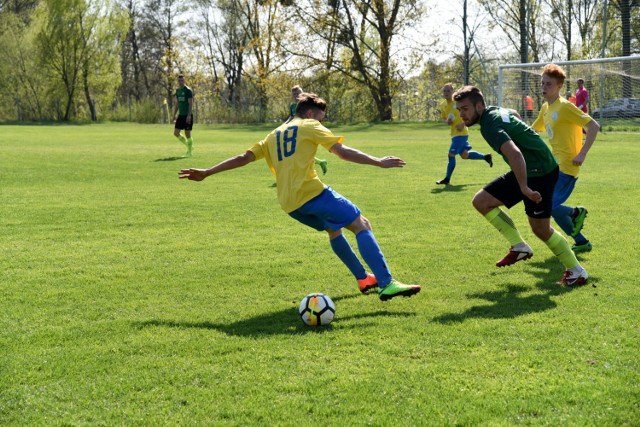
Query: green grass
point(129, 297)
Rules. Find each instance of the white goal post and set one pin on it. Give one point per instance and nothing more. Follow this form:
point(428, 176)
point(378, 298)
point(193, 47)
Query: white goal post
point(613, 85)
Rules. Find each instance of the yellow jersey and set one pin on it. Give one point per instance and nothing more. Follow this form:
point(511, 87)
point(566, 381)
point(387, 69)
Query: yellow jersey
point(289, 150)
point(563, 122)
point(449, 107)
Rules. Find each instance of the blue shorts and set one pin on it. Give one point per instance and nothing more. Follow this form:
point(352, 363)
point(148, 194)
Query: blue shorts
point(327, 211)
point(563, 189)
point(459, 144)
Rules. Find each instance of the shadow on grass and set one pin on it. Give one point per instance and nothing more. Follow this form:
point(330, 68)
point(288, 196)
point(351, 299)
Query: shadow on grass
point(516, 300)
point(171, 159)
point(453, 188)
point(283, 322)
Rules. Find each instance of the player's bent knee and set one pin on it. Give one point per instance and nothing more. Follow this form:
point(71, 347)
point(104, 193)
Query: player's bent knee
point(361, 223)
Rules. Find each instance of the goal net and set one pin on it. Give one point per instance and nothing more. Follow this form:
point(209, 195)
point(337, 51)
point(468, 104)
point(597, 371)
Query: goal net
point(613, 85)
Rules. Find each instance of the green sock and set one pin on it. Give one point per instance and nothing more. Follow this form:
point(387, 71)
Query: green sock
point(560, 248)
point(182, 139)
point(190, 143)
point(503, 223)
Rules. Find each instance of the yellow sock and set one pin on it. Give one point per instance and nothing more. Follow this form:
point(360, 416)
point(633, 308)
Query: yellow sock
point(504, 224)
point(560, 248)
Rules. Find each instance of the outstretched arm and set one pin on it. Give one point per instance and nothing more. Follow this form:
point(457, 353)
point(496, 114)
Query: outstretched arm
point(356, 156)
point(193, 174)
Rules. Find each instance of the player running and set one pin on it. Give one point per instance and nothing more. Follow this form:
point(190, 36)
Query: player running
point(289, 151)
point(564, 122)
point(459, 135)
point(533, 175)
point(184, 111)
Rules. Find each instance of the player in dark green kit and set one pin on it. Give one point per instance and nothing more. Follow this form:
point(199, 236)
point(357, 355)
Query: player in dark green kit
point(533, 176)
point(184, 111)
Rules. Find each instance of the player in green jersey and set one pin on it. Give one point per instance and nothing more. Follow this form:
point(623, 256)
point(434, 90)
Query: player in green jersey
point(296, 91)
point(533, 175)
point(564, 123)
point(183, 114)
point(289, 151)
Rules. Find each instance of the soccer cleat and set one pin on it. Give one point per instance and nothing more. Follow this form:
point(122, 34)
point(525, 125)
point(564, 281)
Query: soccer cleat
point(367, 283)
point(571, 278)
point(396, 289)
point(444, 181)
point(489, 159)
point(585, 247)
point(578, 220)
point(514, 256)
point(323, 166)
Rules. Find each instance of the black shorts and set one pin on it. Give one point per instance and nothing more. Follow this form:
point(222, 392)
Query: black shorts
point(506, 189)
point(181, 123)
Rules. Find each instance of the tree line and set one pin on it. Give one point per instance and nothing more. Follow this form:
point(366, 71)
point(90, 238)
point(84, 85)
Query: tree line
point(372, 60)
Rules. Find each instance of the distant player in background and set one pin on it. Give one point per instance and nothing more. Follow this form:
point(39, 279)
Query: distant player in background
point(184, 111)
point(570, 97)
point(527, 106)
point(564, 123)
point(582, 96)
point(459, 135)
point(289, 151)
point(296, 91)
point(532, 179)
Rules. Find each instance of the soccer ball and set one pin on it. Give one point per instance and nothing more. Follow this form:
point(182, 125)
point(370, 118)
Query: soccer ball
point(317, 309)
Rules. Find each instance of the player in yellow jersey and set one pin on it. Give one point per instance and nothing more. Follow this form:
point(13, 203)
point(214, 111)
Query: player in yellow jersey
point(564, 123)
point(459, 135)
point(289, 151)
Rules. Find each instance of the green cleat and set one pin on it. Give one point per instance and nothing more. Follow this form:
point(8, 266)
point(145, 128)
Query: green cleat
point(395, 289)
point(578, 220)
point(585, 247)
point(323, 165)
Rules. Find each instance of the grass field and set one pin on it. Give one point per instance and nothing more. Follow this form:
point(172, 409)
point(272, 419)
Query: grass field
point(129, 297)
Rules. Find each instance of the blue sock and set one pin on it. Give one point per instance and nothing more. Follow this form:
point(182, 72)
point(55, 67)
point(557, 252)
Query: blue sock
point(372, 255)
point(450, 167)
point(562, 216)
point(342, 248)
point(474, 155)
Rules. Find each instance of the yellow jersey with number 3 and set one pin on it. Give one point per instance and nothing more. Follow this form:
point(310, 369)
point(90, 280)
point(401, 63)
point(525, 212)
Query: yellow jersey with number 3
point(289, 150)
point(563, 123)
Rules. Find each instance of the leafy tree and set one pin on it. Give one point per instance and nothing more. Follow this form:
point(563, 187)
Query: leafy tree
point(75, 41)
point(22, 90)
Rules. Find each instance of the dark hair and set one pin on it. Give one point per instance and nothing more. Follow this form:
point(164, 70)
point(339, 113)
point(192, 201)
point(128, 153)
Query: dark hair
point(469, 92)
point(307, 101)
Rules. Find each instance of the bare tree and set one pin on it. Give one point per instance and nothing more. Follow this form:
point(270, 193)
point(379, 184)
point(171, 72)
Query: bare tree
point(358, 41)
point(224, 40)
point(163, 25)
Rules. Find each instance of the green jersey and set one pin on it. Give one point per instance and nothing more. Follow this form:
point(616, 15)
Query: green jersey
point(292, 108)
point(183, 95)
point(499, 125)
